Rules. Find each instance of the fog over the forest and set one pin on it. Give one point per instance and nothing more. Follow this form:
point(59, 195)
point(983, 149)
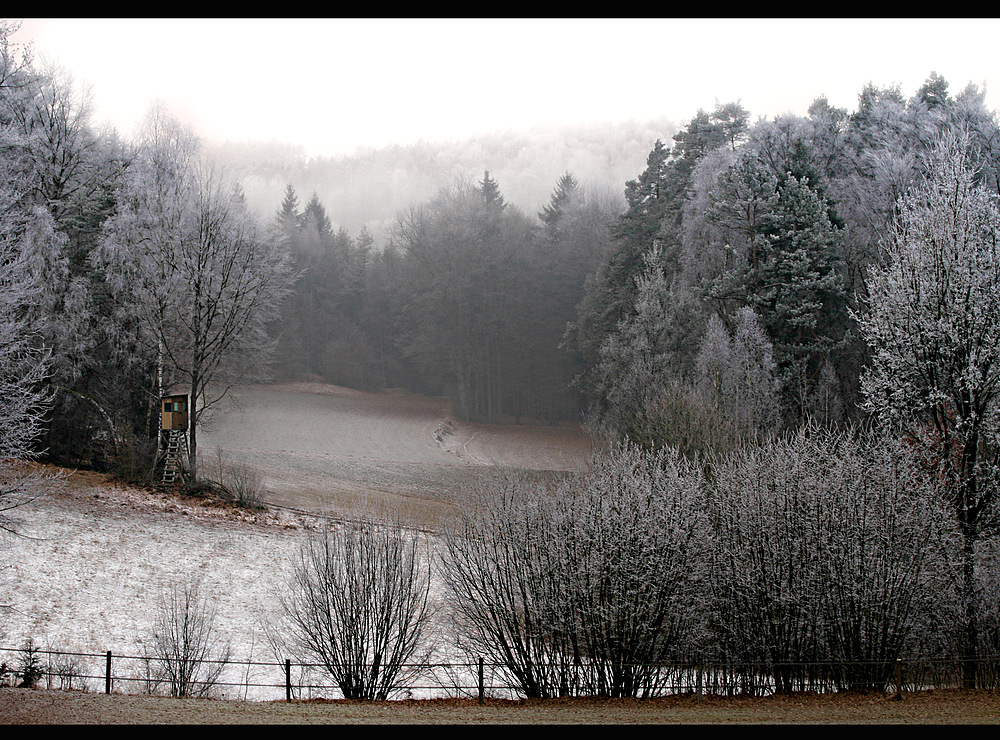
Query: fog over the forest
point(332, 85)
point(372, 186)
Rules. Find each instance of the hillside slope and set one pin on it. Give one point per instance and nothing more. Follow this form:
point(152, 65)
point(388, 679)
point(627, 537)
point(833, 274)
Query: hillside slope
point(322, 448)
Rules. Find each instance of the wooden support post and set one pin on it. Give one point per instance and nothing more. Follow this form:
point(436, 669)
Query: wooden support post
point(288, 679)
point(482, 686)
point(107, 674)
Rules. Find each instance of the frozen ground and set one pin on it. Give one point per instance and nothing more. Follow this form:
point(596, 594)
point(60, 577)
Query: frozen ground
point(322, 447)
point(97, 559)
point(91, 572)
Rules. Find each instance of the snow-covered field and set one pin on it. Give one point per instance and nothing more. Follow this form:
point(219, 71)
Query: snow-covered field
point(97, 559)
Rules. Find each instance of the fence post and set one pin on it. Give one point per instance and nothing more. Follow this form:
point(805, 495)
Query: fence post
point(107, 674)
point(288, 679)
point(481, 684)
point(899, 678)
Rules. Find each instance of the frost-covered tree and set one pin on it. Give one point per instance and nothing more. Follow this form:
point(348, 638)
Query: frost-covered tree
point(933, 325)
point(594, 584)
point(737, 375)
point(23, 364)
point(641, 381)
point(61, 148)
point(23, 368)
point(828, 560)
point(193, 272)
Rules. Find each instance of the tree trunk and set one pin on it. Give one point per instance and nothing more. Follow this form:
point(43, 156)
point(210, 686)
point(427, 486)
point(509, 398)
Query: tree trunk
point(193, 433)
point(971, 636)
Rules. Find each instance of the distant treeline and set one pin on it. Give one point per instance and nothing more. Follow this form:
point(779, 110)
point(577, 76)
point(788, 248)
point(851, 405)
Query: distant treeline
point(370, 187)
point(738, 243)
point(469, 297)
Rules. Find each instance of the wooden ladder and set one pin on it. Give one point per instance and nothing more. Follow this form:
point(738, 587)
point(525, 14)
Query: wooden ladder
point(177, 451)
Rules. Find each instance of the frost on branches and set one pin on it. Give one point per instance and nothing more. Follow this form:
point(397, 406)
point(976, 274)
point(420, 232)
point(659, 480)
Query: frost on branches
point(830, 560)
point(23, 366)
point(23, 399)
point(192, 270)
point(933, 326)
point(590, 585)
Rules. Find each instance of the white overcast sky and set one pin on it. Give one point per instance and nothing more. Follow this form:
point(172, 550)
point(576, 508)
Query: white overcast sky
point(334, 84)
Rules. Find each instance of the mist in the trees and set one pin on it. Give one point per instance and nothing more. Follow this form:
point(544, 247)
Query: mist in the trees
point(725, 317)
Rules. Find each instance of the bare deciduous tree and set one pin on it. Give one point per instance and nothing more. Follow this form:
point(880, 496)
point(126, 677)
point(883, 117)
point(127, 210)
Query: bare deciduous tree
point(359, 605)
point(186, 652)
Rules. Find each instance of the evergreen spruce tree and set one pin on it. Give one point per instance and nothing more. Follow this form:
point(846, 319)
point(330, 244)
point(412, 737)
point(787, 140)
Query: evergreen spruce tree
point(490, 190)
point(288, 218)
point(550, 214)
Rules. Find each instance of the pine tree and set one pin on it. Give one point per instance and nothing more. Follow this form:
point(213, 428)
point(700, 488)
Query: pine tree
point(566, 189)
point(316, 230)
point(800, 295)
point(490, 192)
point(288, 217)
point(787, 265)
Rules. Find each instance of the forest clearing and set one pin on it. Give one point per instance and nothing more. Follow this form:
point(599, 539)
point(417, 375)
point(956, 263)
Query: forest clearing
point(324, 448)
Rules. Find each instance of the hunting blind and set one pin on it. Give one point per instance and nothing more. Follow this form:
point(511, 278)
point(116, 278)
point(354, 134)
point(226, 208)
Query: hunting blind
point(174, 428)
point(174, 416)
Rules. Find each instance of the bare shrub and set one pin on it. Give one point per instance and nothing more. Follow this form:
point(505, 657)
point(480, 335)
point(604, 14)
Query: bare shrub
point(186, 654)
point(240, 480)
point(358, 604)
point(830, 560)
point(246, 484)
point(593, 584)
point(66, 671)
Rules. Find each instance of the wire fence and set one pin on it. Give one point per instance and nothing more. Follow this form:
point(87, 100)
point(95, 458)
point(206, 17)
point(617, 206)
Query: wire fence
point(250, 680)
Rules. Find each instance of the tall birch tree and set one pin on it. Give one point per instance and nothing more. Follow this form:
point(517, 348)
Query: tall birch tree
point(193, 271)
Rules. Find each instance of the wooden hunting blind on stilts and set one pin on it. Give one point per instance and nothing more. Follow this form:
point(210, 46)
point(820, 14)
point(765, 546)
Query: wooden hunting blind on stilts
point(174, 431)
